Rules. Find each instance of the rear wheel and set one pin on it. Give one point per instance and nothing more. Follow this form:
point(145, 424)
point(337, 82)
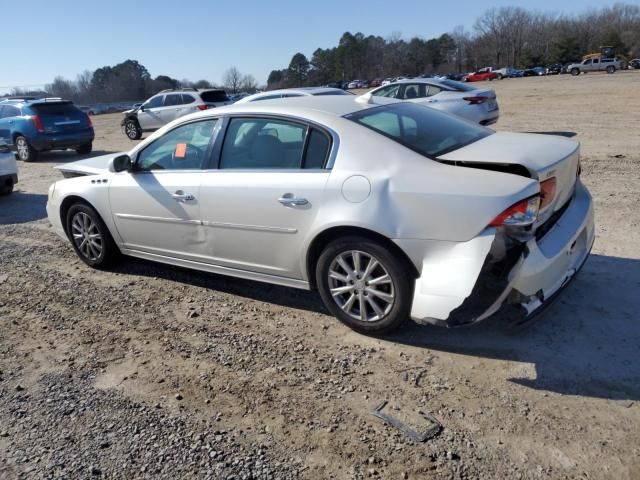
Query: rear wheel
point(611, 69)
point(132, 130)
point(6, 187)
point(364, 285)
point(90, 237)
point(25, 152)
point(84, 149)
point(575, 72)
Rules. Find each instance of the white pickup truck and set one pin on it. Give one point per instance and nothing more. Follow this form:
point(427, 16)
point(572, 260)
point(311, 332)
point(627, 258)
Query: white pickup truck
point(610, 65)
point(8, 169)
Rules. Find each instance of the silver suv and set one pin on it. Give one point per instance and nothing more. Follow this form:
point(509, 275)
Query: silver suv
point(168, 105)
point(610, 65)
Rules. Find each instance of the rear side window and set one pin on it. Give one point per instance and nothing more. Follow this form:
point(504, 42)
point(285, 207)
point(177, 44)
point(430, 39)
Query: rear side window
point(317, 149)
point(187, 98)
point(62, 109)
point(424, 130)
point(389, 91)
point(172, 99)
point(263, 143)
point(213, 96)
point(7, 111)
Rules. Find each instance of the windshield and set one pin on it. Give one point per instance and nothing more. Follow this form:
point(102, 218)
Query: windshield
point(422, 129)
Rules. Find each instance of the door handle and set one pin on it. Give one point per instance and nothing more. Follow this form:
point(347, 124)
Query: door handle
point(289, 200)
point(180, 196)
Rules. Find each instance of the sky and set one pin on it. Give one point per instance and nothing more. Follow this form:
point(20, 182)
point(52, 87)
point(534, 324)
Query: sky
point(197, 39)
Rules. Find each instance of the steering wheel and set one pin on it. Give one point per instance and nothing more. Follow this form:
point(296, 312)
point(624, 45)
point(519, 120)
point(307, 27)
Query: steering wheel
point(193, 156)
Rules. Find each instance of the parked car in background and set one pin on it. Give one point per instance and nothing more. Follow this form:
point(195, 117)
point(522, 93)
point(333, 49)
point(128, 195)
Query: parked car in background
point(168, 105)
point(44, 124)
point(387, 81)
point(390, 211)
point(87, 110)
point(376, 82)
point(293, 92)
point(354, 84)
point(475, 104)
point(479, 77)
point(610, 65)
point(8, 168)
point(634, 64)
point(334, 85)
point(554, 69)
point(534, 72)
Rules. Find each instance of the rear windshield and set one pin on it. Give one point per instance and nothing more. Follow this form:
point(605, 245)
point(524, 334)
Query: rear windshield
point(424, 130)
point(458, 86)
point(332, 92)
point(214, 96)
point(58, 108)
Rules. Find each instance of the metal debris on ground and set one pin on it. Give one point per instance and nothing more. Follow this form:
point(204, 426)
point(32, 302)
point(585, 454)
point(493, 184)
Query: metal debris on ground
point(428, 431)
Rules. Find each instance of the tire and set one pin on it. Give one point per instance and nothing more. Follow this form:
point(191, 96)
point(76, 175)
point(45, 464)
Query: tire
point(6, 187)
point(132, 130)
point(384, 311)
point(90, 237)
point(498, 76)
point(575, 72)
point(84, 149)
point(611, 69)
point(24, 151)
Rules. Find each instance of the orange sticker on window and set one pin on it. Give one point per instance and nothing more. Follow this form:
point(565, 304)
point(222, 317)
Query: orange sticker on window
point(181, 150)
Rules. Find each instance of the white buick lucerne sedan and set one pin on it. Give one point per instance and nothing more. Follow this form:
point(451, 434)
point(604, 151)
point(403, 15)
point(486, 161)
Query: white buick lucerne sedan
point(390, 211)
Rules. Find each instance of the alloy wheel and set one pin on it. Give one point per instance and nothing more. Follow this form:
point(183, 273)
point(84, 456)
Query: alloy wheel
point(22, 148)
point(86, 236)
point(131, 130)
point(361, 286)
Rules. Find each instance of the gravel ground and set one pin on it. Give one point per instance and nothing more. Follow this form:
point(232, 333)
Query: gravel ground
point(149, 371)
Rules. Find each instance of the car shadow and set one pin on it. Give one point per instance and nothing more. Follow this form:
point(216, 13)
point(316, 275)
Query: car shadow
point(21, 207)
point(587, 343)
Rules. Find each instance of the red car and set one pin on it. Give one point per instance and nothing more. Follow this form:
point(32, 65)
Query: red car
point(480, 77)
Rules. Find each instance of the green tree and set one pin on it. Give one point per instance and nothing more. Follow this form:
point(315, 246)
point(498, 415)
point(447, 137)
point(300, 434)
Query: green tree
point(298, 70)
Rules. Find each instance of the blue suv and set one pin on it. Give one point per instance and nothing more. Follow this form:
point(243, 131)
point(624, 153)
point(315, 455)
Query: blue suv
point(37, 125)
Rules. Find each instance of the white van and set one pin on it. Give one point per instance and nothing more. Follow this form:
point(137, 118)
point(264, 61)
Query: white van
point(8, 168)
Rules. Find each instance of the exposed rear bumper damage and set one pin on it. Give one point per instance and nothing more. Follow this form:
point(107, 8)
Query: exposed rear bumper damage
point(501, 270)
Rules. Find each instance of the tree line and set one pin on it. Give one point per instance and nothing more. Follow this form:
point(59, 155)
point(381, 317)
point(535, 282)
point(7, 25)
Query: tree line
point(129, 81)
point(501, 37)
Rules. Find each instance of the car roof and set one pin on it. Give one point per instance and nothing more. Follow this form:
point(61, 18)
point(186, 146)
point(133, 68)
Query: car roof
point(307, 106)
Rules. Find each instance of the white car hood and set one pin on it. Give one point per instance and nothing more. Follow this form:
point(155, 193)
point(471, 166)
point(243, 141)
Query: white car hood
point(90, 166)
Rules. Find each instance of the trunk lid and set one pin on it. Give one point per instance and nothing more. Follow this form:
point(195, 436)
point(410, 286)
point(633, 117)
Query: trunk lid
point(60, 117)
point(543, 156)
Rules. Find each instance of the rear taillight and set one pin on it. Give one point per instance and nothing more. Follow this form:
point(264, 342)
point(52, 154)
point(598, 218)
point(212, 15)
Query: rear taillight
point(203, 107)
point(476, 100)
point(547, 192)
point(89, 122)
point(522, 214)
point(37, 122)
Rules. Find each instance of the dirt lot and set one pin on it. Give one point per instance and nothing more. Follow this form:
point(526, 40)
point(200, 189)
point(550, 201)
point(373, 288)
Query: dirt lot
point(152, 371)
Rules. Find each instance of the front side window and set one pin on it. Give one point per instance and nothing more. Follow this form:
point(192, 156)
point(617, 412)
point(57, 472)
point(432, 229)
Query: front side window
point(390, 91)
point(183, 148)
point(154, 102)
point(424, 130)
point(265, 143)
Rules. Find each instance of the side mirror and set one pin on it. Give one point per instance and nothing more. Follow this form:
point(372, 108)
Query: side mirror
point(141, 108)
point(120, 163)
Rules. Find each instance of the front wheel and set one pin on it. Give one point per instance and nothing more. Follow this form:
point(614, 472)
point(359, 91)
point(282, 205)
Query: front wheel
point(364, 285)
point(611, 69)
point(90, 237)
point(132, 130)
point(24, 150)
point(6, 187)
point(575, 72)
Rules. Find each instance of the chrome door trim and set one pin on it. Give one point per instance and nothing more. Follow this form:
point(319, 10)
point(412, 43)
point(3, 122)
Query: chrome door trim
point(236, 226)
point(259, 228)
point(145, 218)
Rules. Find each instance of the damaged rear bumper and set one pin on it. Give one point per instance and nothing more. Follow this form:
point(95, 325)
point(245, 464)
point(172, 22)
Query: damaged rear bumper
point(468, 282)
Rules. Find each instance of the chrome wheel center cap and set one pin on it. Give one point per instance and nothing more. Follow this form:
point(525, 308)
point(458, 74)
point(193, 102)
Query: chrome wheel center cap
point(359, 285)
